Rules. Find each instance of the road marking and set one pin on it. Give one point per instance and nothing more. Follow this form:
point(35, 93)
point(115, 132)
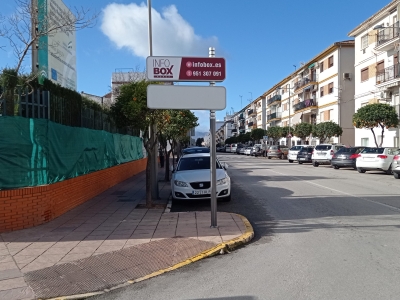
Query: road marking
point(341, 192)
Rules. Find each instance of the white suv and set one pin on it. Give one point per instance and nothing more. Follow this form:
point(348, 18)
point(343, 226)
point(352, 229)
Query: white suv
point(322, 154)
point(292, 153)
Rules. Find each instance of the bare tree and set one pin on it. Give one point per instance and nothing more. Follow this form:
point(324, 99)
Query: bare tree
point(24, 29)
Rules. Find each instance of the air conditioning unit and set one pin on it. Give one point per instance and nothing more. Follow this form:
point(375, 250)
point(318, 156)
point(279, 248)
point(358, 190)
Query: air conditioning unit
point(346, 76)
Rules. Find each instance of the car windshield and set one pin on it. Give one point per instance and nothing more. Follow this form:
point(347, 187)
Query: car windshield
point(323, 147)
point(195, 163)
point(196, 150)
point(296, 148)
point(373, 150)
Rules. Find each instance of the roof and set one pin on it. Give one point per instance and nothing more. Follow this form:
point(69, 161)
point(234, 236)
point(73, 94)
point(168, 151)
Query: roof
point(393, 4)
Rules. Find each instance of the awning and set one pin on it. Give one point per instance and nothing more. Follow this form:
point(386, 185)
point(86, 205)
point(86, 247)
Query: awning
point(312, 65)
point(296, 118)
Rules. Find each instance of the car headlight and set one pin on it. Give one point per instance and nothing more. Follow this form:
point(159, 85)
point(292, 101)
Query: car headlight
point(180, 183)
point(222, 181)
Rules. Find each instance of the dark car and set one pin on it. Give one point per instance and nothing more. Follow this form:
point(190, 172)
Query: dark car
point(277, 151)
point(304, 155)
point(346, 157)
point(193, 150)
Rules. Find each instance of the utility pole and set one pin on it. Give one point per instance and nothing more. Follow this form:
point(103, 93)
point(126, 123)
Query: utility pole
point(213, 160)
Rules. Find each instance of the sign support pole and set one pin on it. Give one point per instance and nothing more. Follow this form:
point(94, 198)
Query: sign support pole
point(213, 161)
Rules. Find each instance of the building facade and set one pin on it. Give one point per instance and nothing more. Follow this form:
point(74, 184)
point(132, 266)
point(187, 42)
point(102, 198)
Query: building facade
point(376, 69)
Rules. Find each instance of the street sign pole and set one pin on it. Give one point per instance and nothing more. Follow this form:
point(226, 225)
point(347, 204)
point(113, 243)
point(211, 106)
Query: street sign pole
point(213, 161)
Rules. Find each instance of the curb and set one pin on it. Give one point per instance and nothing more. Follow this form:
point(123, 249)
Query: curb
point(220, 248)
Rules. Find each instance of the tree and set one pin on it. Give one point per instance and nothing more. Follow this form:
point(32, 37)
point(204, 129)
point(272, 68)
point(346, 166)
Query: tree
point(257, 134)
point(303, 130)
point(285, 131)
point(326, 130)
point(231, 140)
point(130, 110)
point(377, 115)
point(199, 142)
point(274, 132)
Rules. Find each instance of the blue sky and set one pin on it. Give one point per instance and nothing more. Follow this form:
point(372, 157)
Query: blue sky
point(261, 40)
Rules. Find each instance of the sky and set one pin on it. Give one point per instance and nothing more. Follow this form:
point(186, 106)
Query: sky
point(262, 41)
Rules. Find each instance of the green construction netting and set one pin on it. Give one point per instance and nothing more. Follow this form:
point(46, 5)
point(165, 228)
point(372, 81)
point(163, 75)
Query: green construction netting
point(35, 151)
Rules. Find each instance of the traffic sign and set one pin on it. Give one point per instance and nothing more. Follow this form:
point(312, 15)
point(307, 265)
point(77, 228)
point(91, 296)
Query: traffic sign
point(172, 68)
point(186, 97)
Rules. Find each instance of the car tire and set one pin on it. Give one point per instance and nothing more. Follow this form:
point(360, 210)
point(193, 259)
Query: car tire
point(300, 162)
point(336, 167)
point(389, 171)
point(315, 164)
point(396, 175)
point(269, 157)
point(291, 161)
point(360, 170)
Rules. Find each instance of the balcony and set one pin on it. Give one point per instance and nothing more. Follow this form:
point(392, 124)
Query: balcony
point(242, 131)
point(304, 104)
point(251, 112)
point(273, 99)
point(241, 128)
point(388, 74)
point(241, 117)
point(310, 78)
point(387, 36)
point(275, 115)
point(250, 124)
point(234, 130)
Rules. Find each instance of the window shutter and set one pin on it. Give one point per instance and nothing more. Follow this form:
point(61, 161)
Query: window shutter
point(326, 115)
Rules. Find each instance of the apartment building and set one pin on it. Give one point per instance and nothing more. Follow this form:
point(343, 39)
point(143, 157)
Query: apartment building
point(261, 112)
point(251, 116)
point(377, 76)
point(321, 90)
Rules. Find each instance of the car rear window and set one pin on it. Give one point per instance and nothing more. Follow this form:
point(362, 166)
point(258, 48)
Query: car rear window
point(306, 150)
point(296, 148)
point(373, 150)
point(349, 150)
point(274, 147)
point(323, 147)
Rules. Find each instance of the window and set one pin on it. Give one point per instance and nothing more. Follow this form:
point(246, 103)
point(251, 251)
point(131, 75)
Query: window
point(330, 88)
point(330, 61)
point(327, 115)
point(321, 91)
point(364, 74)
point(364, 42)
point(380, 67)
point(321, 66)
point(364, 142)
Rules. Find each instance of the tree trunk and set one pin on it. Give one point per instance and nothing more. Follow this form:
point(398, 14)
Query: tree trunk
point(383, 130)
point(166, 162)
point(149, 200)
point(9, 102)
point(373, 133)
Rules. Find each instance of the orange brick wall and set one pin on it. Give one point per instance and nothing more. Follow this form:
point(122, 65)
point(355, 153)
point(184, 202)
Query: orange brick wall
point(28, 207)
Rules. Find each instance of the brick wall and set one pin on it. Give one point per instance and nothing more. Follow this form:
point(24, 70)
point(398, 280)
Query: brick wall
point(28, 207)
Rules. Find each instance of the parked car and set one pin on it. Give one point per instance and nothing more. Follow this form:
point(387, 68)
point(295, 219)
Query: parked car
point(322, 154)
point(396, 166)
point(256, 148)
point(292, 152)
point(233, 148)
point(376, 159)
point(247, 151)
point(238, 148)
point(304, 155)
point(191, 179)
point(241, 151)
point(346, 157)
point(227, 148)
point(277, 151)
point(192, 150)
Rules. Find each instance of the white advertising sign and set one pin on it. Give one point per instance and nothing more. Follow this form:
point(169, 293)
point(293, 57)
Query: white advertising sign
point(186, 97)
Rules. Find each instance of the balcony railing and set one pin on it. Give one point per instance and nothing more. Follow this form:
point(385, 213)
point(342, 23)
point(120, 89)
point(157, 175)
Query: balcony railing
point(234, 130)
point(273, 99)
point(304, 104)
point(276, 115)
point(241, 116)
point(242, 131)
point(250, 112)
point(386, 34)
point(388, 73)
point(241, 127)
point(306, 80)
point(250, 124)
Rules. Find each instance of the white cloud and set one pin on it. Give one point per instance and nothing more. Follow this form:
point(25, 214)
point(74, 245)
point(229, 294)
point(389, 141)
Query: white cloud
point(204, 120)
point(127, 27)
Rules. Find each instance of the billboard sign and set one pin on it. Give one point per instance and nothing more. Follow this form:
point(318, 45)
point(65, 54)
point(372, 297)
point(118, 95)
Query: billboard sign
point(172, 68)
point(57, 51)
point(186, 97)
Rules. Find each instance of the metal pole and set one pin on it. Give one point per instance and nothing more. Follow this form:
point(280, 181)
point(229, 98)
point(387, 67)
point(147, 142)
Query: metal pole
point(290, 123)
point(213, 161)
point(153, 131)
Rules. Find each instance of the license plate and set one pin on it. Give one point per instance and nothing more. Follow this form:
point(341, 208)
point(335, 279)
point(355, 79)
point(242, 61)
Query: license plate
point(201, 192)
point(302, 158)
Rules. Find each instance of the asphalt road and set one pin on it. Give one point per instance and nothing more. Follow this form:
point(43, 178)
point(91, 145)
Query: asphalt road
point(320, 233)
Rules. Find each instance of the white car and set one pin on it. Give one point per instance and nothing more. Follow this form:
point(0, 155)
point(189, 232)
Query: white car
point(247, 151)
point(191, 179)
point(323, 153)
point(292, 153)
point(376, 159)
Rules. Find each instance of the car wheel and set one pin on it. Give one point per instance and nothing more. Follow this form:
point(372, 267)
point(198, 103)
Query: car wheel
point(315, 164)
point(360, 170)
point(355, 168)
point(396, 175)
point(389, 171)
point(300, 162)
point(291, 161)
point(336, 167)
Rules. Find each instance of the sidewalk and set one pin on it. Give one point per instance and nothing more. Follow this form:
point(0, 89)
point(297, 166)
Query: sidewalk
point(110, 241)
